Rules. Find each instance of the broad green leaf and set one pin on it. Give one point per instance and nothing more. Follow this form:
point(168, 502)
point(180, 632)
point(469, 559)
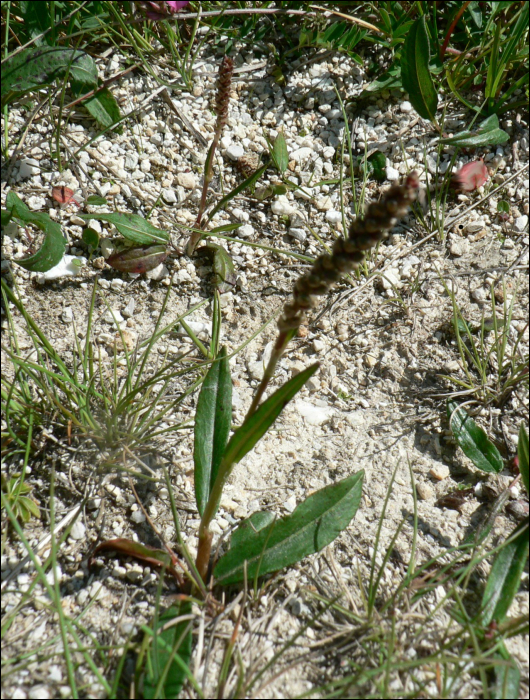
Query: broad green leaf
point(245, 437)
point(250, 526)
point(279, 152)
point(138, 260)
point(522, 452)
point(169, 653)
point(473, 440)
point(133, 227)
point(223, 267)
point(505, 576)
point(53, 247)
point(415, 73)
point(377, 165)
point(313, 525)
point(507, 678)
point(36, 68)
point(212, 427)
point(488, 134)
point(102, 106)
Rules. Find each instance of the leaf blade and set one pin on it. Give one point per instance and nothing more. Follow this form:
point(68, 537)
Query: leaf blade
point(132, 227)
point(473, 440)
point(212, 427)
point(415, 74)
point(313, 525)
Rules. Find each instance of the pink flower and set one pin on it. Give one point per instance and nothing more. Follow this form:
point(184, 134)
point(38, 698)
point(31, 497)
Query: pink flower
point(161, 10)
point(471, 176)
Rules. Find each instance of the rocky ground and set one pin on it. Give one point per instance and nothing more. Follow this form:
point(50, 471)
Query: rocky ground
point(383, 342)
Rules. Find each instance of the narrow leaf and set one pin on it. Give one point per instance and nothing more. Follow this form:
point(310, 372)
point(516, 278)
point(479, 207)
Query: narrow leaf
point(505, 576)
point(237, 190)
point(53, 247)
point(313, 525)
point(138, 260)
point(507, 678)
point(212, 427)
point(245, 437)
point(169, 653)
point(133, 227)
point(473, 440)
point(522, 452)
point(415, 73)
point(149, 555)
point(279, 152)
point(96, 200)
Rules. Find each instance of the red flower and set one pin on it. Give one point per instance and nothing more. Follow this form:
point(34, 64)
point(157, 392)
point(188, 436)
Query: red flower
point(471, 176)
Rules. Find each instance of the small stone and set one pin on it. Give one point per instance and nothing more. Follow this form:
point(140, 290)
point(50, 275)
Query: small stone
point(138, 517)
point(298, 233)
point(474, 226)
point(67, 315)
point(290, 504)
point(314, 415)
point(333, 216)
point(439, 472)
point(113, 316)
point(187, 180)
point(370, 361)
point(69, 266)
point(245, 231)
point(459, 248)
point(392, 174)
point(323, 204)
point(520, 223)
point(282, 206)
point(158, 273)
point(479, 295)
point(424, 491)
point(235, 151)
point(452, 366)
point(28, 167)
point(405, 106)
point(168, 195)
point(390, 279)
point(318, 346)
point(78, 531)
point(301, 154)
point(128, 310)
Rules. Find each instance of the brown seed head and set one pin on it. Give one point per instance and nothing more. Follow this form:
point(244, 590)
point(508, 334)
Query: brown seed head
point(222, 97)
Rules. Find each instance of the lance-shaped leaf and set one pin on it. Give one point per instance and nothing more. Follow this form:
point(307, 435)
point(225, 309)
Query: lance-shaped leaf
point(473, 440)
point(212, 427)
point(279, 152)
point(138, 260)
point(149, 555)
point(53, 247)
point(169, 652)
point(522, 453)
point(505, 576)
point(133, 227)
point(102, 105)
point(488, 134)
point(415, 73)
point(314, 524)
point(37, 68)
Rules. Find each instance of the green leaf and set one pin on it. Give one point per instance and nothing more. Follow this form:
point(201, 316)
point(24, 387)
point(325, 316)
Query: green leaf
point(53, 247)
point(91, 238)
point(245, 437)
point(138, 260)
point(169, 653)
point(507, 678)
point(279, 153)
point(133, 227)
point(36, 68)
point(377, 165)
point(488, 134)
point(415, 73)
point(522, 452)
point(388, 80)
point(212, 427)
point(505, 576)
point(249, 182)
point(96, 200)
point(473, 440)
point(313, 525)
point(250, 526)
point(102, 106)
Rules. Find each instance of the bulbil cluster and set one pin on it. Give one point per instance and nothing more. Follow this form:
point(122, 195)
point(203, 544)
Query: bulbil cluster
point(347, 253)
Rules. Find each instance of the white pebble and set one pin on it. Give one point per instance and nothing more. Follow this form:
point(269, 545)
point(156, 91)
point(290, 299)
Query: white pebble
point(187, 180)
point(235, 151)
point(65, 268)
point(520, 223)
point(301, 154)
point(405, 106)
point(78, 531)
point(158, 273)
point(391, 173)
